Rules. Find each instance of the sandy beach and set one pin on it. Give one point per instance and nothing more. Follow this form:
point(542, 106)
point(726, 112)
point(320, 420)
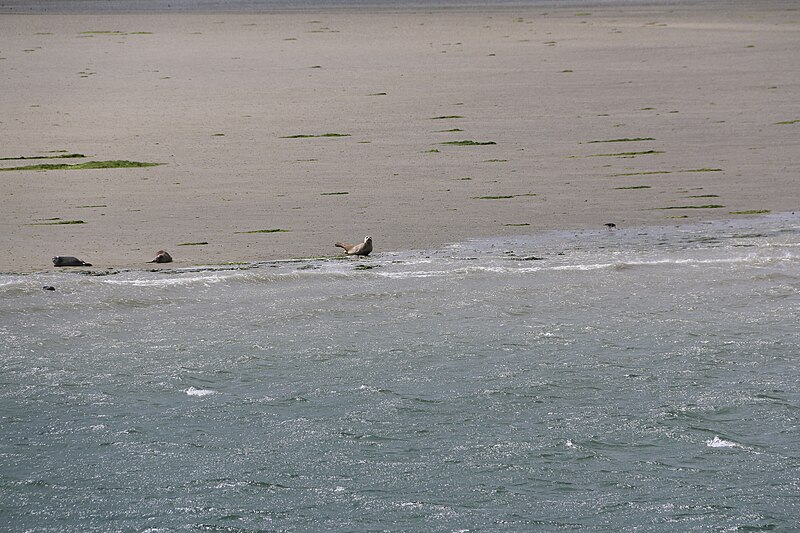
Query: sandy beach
point(277, 134)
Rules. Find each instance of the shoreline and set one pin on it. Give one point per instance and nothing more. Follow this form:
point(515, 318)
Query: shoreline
point(744, 223)
point(278, 135)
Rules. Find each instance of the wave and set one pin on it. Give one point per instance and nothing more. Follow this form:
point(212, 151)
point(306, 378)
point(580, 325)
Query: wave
point(191, 391)
point(717, 442)
point(172, 281)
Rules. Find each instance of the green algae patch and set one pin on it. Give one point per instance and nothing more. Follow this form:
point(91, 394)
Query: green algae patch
point(200, 243)
point(85, 166)
point(333, 193)
point(263, 231)
point(650, 173)
point(468, 143)
point(517, 225)
point(113, 32)
point(445, 117)
point(787, 122)
point(453, 130)
point(99, 206)
point(702, 170)
point(626, 140)
point(502, 197)
point(628, 154)
point(377, 94)
point(708, 206)
point(631, 187)
point(27, 157)
point(704, 196)
point(58, 222)
point(315, 136)
point(496, 161)
point(751, 212)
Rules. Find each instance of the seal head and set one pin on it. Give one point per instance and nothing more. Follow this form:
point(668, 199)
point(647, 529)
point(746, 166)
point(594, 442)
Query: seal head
point(363, 248)
point(69, 261)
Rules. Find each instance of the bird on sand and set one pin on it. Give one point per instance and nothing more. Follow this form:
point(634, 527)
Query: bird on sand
point(363, 248)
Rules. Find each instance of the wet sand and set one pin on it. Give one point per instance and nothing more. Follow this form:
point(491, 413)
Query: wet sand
point(575, 118)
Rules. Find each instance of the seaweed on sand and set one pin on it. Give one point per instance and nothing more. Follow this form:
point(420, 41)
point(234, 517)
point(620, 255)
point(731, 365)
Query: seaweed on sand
point(315, 136)
point(26, 157)
point(263, 231)
point(85, 166)
point(468, 143)
point(57, 222)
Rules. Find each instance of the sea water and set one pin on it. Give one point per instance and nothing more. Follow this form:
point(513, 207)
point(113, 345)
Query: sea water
point(622, 379)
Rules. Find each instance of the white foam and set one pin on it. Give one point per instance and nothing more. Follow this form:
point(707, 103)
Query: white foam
point(418, 274)
point(597, 266)
point(464, 271)
point(170, 281)
point(191, 391)
point(717, 442)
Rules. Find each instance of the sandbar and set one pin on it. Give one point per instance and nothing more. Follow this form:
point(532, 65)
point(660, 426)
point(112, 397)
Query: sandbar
point(277, 134)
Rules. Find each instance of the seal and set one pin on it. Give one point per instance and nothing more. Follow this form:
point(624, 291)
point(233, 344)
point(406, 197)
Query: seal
point(363, 248)
point(162, 257)
point(69, 261)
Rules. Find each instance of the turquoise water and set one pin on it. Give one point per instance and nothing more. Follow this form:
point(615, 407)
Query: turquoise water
point(633, 379)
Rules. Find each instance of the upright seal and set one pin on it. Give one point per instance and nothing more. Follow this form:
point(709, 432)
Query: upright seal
point(363, 248)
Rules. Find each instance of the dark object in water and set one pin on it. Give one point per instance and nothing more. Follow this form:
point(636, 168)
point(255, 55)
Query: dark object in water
point(48, 288)
point(611, 225)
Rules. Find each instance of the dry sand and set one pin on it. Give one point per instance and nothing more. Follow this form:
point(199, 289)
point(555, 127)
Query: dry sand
point(213, 98)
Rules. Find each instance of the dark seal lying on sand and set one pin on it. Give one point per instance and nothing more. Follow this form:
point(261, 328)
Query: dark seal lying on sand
point(162, 257)
point(363, 248)
point(69, 261)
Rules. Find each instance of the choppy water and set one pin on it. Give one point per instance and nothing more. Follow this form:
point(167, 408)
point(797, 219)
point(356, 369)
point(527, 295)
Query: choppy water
point(642, 379)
